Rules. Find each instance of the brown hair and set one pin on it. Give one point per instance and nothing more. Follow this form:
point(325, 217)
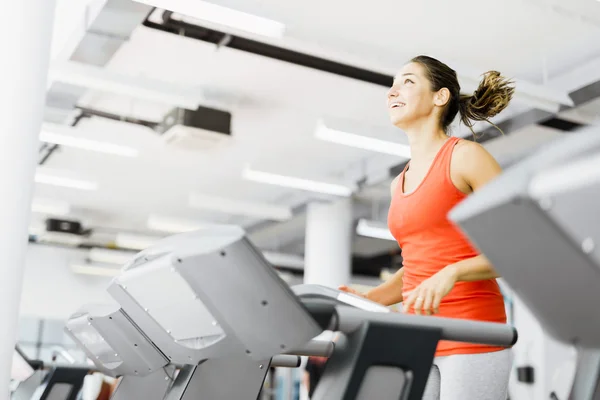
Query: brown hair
point(491, 97)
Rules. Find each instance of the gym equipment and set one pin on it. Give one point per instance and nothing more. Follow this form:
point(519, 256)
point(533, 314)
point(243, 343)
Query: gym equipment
point(208, 307)
point(386, 355)
point(118, 348)
point(26, 376)
point(539, 225)
point(37, 383)
point(61, 383)
point(173, 323)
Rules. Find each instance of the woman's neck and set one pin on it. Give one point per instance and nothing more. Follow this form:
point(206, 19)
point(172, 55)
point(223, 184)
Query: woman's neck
point(425, 141)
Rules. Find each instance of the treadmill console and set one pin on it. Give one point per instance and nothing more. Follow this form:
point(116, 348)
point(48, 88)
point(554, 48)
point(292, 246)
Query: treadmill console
point(311, 291)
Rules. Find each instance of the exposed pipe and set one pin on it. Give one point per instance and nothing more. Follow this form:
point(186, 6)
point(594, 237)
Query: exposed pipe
point(222, 39)
point(89, 112)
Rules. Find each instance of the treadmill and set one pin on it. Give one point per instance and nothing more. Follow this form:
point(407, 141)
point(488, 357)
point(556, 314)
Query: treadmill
point(204, 315)
point(539, 224)
point(36, 382)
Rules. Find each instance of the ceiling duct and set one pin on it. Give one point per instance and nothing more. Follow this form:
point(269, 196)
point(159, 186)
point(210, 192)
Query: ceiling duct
point(201, 129)
point(98, 43)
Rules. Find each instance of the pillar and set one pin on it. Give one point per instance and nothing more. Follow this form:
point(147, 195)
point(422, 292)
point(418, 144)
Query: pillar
point(25, 41)
point(328, 243)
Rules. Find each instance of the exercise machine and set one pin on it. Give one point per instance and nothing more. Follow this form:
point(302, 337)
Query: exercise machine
point(26, 375)
point(539, 225)
point(35, 381)
point(204, 315)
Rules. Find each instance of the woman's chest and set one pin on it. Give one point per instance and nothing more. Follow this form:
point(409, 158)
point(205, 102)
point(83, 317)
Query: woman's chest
point(424, 210)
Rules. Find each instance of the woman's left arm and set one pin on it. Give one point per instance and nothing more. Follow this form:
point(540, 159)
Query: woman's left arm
point(477, 268)
point(475, 167)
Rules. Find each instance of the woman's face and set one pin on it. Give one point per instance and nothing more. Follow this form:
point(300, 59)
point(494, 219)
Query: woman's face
point(410, 99)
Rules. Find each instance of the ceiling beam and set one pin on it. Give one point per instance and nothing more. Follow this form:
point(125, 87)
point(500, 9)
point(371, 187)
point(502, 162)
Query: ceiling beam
point(534, 95)
point(94, 43)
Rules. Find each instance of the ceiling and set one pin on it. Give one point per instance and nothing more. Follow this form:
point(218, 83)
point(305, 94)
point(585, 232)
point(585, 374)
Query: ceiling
point(276, 105)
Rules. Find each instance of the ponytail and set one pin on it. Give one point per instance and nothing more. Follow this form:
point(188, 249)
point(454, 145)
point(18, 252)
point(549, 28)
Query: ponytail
point(491, 97)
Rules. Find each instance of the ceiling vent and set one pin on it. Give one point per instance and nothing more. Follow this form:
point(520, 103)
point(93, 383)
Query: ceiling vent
point(201, 129)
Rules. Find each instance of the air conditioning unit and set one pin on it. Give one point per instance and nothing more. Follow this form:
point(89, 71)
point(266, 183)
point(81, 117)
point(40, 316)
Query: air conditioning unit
point(201, 129)
point(64, 226)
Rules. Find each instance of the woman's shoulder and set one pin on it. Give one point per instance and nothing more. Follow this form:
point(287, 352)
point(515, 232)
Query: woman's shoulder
point(474, 163)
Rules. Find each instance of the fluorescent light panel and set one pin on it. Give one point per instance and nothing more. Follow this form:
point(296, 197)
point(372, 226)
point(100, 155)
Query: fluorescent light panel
point(49, 179)
point(361, 142)
point(134, 241)
point(105, 80)
point(50, 207)
point(297, 183)
point(57, 134)
point(220, 15)
point(95, 270)
point(174, 225)
point(107, 256)
point(374, 230)
point(236, 207)
point(59, 237)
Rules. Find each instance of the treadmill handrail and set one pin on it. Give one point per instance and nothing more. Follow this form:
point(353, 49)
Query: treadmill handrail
point(318, 348)
point(348, 319)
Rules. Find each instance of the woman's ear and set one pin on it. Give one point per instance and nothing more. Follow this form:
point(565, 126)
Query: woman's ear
point(442, 97)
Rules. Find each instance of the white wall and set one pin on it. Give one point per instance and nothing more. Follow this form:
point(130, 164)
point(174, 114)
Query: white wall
point(51, 290)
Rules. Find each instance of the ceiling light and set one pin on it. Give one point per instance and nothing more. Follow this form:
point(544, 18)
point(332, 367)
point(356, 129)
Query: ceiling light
point(51, 133)
point(134, 241)
point(297, 183)
point(220, 15)
point(138, 87)
point(96, 270)
point(236, 207)
point(174, 225)
point(333, 135)
point(67, 239)
point(50, 207)
point(48, 179)
point(373, 229)
point(108, 256)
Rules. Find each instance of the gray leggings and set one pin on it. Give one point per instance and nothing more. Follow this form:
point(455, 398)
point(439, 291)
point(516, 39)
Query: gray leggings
point(482, 376)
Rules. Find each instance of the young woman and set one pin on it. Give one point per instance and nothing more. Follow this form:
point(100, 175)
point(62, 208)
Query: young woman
point(443, 274)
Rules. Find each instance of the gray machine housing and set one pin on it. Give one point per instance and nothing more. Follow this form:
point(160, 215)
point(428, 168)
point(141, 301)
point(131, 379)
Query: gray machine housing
point(263, 320)
point(536, 238)
point(123, 348)
point(539, 225)
point(213, 307)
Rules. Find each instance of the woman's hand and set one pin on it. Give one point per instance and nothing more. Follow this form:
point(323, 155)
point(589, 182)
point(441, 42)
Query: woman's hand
point(426, 297)
point(347, 289)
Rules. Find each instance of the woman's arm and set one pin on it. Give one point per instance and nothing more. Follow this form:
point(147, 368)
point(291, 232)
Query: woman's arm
point(477, 268)
point(475, 167)
point(387, 294)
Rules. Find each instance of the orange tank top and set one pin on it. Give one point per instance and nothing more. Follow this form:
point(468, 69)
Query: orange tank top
point(429, 242)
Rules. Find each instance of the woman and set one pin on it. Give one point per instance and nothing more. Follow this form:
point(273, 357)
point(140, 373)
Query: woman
point(443, 273)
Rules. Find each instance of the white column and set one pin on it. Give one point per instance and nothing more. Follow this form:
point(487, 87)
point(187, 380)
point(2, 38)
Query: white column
point(25, 40)
point(328, 244)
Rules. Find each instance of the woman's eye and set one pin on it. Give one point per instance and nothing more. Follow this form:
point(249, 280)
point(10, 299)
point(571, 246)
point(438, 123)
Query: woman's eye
point(407, 81)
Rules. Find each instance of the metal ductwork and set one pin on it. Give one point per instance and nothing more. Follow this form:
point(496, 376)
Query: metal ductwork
point(104, 36)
